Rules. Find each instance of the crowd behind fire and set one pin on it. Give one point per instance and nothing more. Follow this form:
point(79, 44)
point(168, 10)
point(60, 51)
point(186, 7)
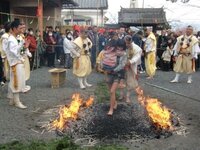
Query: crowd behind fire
point(118, 53)
point(52, 47)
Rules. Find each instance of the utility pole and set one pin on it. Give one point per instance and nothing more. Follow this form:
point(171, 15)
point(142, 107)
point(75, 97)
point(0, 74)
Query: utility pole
point(98, 12)
point(40, 17)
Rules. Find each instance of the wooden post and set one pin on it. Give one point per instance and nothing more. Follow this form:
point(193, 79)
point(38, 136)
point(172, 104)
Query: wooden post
point(40, 16)
point(102, 23)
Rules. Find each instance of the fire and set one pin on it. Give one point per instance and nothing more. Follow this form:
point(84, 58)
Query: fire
point(89, 102)
point(70, 112)
point(159, 114)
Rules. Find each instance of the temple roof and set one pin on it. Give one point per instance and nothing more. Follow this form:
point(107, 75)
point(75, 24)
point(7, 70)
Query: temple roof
point(142, 16)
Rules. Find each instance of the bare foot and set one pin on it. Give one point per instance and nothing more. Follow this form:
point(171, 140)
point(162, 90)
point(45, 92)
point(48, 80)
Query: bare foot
point(115, 106)
point(149, 78)
point(121, 98)
point(110, 113)
point(121, 86)
point(128, 101)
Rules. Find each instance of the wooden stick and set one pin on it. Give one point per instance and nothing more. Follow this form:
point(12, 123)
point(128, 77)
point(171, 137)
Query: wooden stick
point(174, 92)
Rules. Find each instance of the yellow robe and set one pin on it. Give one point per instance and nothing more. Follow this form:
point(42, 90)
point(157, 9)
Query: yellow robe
point(82, 65)
point(150, 59)
point(185, 62)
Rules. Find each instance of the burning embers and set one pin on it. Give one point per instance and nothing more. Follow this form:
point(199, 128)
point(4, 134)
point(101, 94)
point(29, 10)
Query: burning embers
point(67, 113)
point(152, 120)
point(159, 114)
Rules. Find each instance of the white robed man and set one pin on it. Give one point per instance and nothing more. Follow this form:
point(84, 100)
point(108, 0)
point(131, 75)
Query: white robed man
point(82, 62)
point(150, 53)
point(16, 62)
point(134, 53)
point(186, 50)
point(4, 45)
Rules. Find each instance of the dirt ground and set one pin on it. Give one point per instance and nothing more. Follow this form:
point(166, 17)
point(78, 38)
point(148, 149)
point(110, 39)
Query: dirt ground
point(17, 124)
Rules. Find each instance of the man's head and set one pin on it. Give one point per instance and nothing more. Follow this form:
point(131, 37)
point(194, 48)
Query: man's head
point(121, 30)
point(57, 29)
point(128, 41)
point(7, 27)
point(95, 29)
point(23, 28)
point(189, 30)
point(16, 27)
point(84, 33)
point(147, 31)
point(163, 32)
point(30, 31)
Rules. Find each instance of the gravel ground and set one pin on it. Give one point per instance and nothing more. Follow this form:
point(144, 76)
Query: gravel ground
point(22, 124)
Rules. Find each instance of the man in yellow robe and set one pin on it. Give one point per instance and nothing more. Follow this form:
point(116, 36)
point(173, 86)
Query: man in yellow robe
point(82, 63)
point(186, 50)
point(150, 53)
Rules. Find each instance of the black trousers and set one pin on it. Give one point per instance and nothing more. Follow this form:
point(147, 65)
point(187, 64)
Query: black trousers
point(51, 59)
point(31, 59)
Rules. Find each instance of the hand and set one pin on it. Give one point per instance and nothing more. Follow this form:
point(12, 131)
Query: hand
point(78, 55)
point(22, 60)
point(26, 44)
point(128, 63)
point(29, 54)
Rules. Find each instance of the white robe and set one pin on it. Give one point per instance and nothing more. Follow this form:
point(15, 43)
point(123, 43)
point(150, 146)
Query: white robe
point(131, 80)
point(16, 61)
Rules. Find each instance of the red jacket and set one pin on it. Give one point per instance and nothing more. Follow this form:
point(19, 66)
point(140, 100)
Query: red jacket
point(33, 43)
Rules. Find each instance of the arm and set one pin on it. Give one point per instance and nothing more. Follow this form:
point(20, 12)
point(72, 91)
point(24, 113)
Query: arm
point(175, 49)
point(122, 63)
point(149, 45)
point(137, 56)
point(15, 49)
point(33, 44)
point(74, 49)
point(195, 50)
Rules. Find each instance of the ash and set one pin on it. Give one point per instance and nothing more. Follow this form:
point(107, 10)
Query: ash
point(127, 122)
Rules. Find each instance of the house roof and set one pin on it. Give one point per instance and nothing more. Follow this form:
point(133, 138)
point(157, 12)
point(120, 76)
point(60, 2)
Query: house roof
point(142, 16)
point(78, 18)
point(55, 3)
point(88, 4)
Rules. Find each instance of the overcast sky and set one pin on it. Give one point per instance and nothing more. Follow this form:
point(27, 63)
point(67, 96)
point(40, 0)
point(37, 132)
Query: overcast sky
point(174, 11)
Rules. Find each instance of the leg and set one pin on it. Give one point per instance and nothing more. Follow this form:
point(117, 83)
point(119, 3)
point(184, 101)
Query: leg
point(176, 79)
point(128, 96)
point(80, 80)
point(121, 84)
point(189, 78)
point(10, 96)
point(113, 103)
point(86, 83)
point(17, 101)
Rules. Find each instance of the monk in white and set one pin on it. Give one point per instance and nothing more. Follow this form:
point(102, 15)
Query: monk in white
point(186, 50)
point(16, 62)
point(134, 53)
point(3, 48)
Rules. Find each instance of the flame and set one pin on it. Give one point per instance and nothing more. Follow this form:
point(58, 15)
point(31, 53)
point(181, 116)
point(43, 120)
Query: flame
point(70, 112)
point(159, 114)
point(89, 102)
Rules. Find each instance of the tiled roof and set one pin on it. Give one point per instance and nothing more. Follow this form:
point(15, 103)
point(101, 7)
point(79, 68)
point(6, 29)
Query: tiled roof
point(145, 16)
point(89, 4)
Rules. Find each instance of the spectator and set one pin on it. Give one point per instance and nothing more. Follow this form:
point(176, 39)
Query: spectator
point(50, 50)
point(32, 47)
point(59, 43)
